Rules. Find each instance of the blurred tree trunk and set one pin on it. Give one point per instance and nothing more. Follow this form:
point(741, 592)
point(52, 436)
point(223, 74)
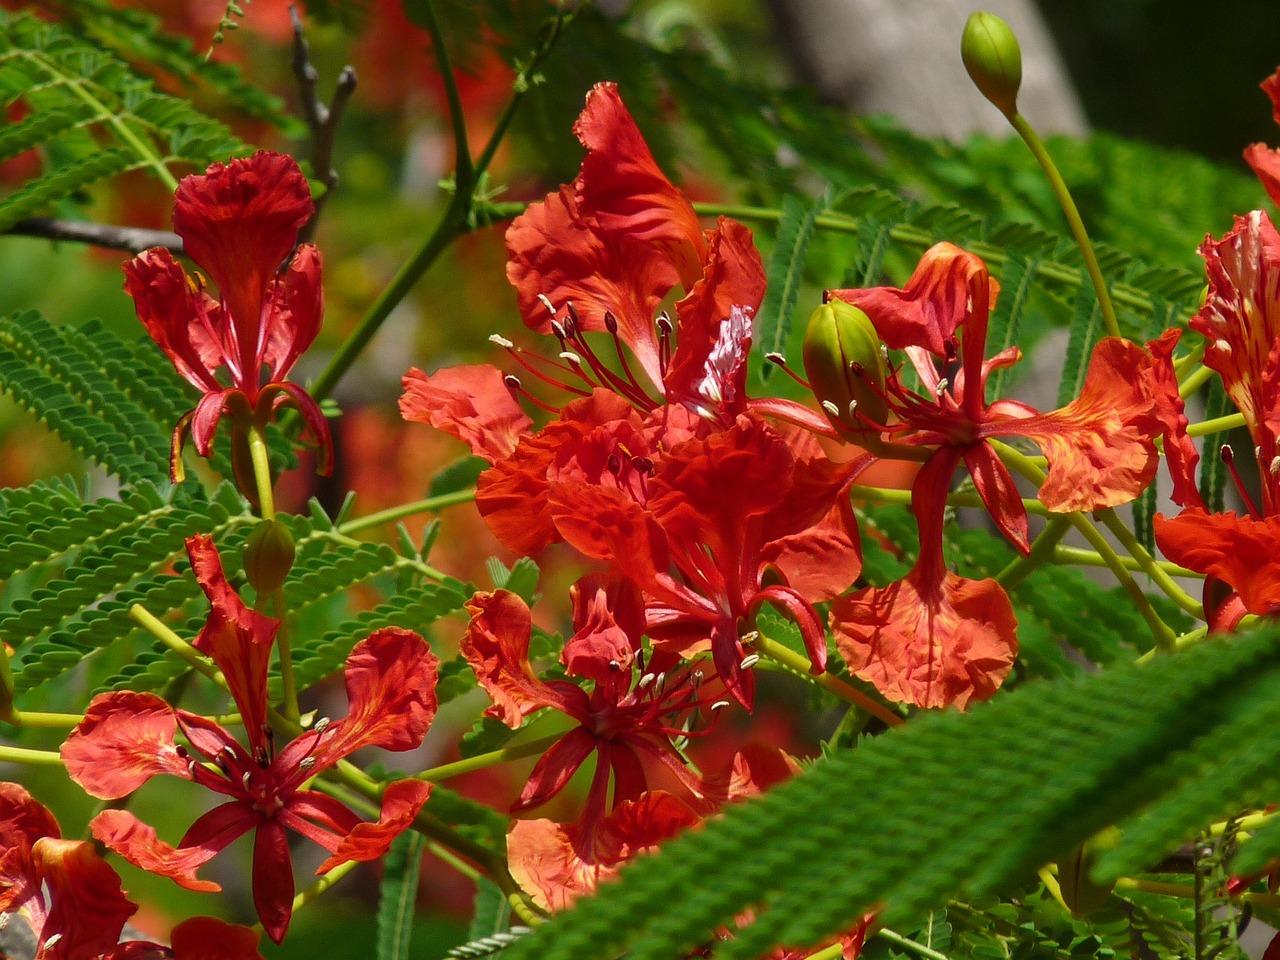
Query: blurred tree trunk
point(903, 57)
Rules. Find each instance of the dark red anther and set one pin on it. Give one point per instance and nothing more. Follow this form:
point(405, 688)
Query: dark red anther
point(611, 322)
point(572, 322)
point(614, 463)
point(643, 465)
point(952, 349)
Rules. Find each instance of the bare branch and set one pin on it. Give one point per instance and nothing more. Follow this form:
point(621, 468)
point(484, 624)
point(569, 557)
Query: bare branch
point(133, 239)
point(321, 119)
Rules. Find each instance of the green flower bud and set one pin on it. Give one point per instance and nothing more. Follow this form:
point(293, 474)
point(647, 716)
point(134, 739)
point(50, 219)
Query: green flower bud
point(1081, 895)
point(994, 60)
point(268, 556)
point(843, 358)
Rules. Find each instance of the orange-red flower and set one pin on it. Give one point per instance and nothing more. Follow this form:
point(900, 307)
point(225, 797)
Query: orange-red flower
point(1265, 160)
point(239, 222)
point(1240, 320)
point(73, 902)
point(627, 719)
point(934, 638)
point(127, 738)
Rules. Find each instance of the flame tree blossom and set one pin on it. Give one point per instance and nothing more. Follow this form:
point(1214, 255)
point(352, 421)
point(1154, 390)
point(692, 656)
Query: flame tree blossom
point(239, 222)
point(934, 638)
point(600, 255)
point(1240, 320)
point(73, 902)
point(127, 738)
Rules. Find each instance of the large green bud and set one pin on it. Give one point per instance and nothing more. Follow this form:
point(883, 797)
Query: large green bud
point(994, 60)
point(844, 360)
point(1081, 895)
point(268, 556)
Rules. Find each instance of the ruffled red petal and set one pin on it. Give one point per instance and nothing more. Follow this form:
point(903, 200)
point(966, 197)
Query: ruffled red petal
point(622, 189)
point(206, 938)
point(934, 304)
point(87, 907)
point(295, 312)
point(557, 863)
point(1239, 551)
point(180, 317)
point(1179, 450)
point(401, 802)
point(123, 833)
point(1100, 447)
point(709, 369)
point(313, 419)
point(930, 644)
point(391, 686)
point(471, 403)
point(124, 740)
point(754, 769)
point(514, 495)
point(237, 638)
point(608, 620)
point(497, 647)
point(239, 221)
point(1265, 163)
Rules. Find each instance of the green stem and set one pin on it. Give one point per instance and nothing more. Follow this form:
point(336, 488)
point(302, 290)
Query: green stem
point(911, 946)
point(43, 758)
point(451, 225)
point(462, 154)
point(324, 883)
point(288, 680)
point(903, 498)
point(1195, 381)
point(481, 760)
point(262, 472)
point(793, 661)
point(1230, 422)
point(43, 721)
point(1042, 551)
point(1160, 630)
point(430, 504)
point(1147, 564)
point(162, 632)
point(1060, 190)
point(1187, 892)
point(117, 123)
point(1075, 556)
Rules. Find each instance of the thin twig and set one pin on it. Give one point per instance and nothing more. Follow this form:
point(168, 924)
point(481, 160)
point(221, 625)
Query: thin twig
point(133, 239)
point(321, 119)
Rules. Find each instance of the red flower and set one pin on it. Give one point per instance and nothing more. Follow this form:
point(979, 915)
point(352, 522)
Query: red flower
point(239, 222)
point(127, 738)
point(934, 638)
point(1240, 321)
point(1264, 160)
point(557, 862)
point(62, 888)
point(73, 901)
point(712, 529)
point(601, 254)
point(626, 722)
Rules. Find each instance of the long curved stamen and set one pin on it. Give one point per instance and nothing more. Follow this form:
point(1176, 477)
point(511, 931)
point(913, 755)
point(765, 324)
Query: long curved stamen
point(1229, 459)
point(518, 391)
point(573, 328)
point(520, 355)
point(611, 325)
point(779, 361)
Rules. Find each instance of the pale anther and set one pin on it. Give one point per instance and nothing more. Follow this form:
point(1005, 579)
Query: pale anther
point(497, 338)
point(749, 661)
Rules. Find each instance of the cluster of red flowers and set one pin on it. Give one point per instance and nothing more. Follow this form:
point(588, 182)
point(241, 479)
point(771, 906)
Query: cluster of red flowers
point(694, 503)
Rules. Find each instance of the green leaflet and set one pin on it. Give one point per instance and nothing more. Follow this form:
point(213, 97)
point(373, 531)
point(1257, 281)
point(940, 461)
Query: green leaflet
point(398, 894)
point(92, 96)
point(950, 805)
point(1086, 331)
point(785, 274)
point(1017, 283)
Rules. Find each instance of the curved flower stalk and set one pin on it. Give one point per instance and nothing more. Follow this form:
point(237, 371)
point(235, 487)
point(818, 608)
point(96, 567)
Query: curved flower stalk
point(239, 222)
point(1265, 160)
point(933, 638)
point(1240, 320)
point(73, 902)
point(127, 738)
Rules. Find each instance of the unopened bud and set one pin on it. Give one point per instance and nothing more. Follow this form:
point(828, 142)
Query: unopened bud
point(268, 556)
point(993, 58)
point(843, 361)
